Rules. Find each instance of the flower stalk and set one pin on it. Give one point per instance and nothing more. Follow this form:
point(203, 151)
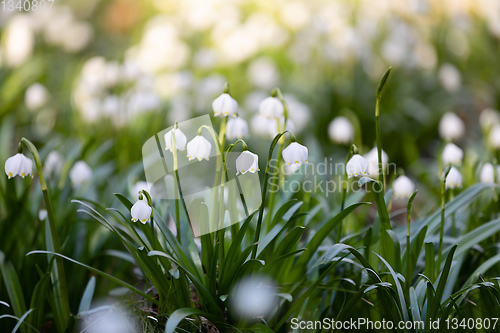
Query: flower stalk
point(381, 85)
point(441, 229)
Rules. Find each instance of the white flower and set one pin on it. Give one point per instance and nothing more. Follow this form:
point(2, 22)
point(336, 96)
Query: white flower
point(295, 153)
point(225, 105)
point(262, 126)
point(488, 118)
point(198, 148)
point(247, 161)
point(450, 77)
point(53, 163)
point(80, 173)
point(340, 130)
point(357, 166)
point(454, 179)
point(18, 165)
point(36, 96)
point(18, 40)
point(451, 127)
point(487, 174)
point(271, 107)
point(298, 112)
point(403, 187)
point(237, 128)
point(141, 211)
point(452, 154)
point(372, 159)
point(253, 297)
point(180, 139)
point(494, 137)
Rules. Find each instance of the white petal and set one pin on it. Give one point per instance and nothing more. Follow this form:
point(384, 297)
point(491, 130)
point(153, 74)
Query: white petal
point(237, 128)
point(247, 162)
point(357, 166)
point(225, 105)
point(295, 153)
point(340, 130)
point(13, 165)
point(141, 211)
point(271, 107)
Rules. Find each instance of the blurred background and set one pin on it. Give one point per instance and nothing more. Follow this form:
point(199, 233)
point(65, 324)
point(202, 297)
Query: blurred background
point(110, 74)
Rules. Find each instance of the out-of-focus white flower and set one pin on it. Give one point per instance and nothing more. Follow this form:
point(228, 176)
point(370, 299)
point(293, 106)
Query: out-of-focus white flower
point(487, 174)
point(18, 40)
point(403, 187)
point(80, 173)
point(451, 127)
point(199, 148)
point(263, 73)
point(18, 165)
point(298, 112)
point(42, 214)
point(340, 130)
point(141, 211)
point(450, 77)
point(454, 179)
point(295, 153)
point(36, 96)
point(247, 162)
point(494, 137)
point(76, 36)
point(111, 105)
point(253, 297)
point(180, 139)
point(357, 166)
point(452, 154)
point(271, 107)
point(488, 118)
point(53, 163)
point(107, 319)
point(372, 158)
point(262, 126)
point(224, 106)
point(236, 128)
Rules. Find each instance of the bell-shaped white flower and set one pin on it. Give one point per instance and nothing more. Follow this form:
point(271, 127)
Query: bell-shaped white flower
point(36, 96)
point(224, 106)
point(247, 162)
point(451, 127)
point(53, 163)
point(18, 165)
point(488, 118)
point(494, 137)
point(262, 126)
point(357, 166)
point(452, 154)
point(141, 211)
point(487, 174)
point(271, 107)
point(199, 148)
point(295, 153)
point(80, 173)
point(340, 130)
point(372, 159)
point(180, 139)
point(454, 179)
point(236, 128)
point(403, 187)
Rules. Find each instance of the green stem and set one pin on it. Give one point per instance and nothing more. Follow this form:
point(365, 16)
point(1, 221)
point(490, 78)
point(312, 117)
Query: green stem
point(408, 247)
point(383, 80)
point(441, 229)
point(344, 188)
point(60, 280)
point(264, 190)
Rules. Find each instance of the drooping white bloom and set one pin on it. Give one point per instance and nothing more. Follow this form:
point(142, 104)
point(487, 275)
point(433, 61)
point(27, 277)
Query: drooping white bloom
point(454, 179)
point(247, 162)
point(261, 126)
point(141, 211)
point(340, 130)
point(18, 40)
point(225, 105)
point(357, 166)
point(295, 153)
point(198, 148)
point(53, 163)
point(451, 127)
point(36, 96)
point(403, 187)
point(452, 154)
point(494, 137)
point(18, 165)
point(372, 159)
point(450, 77)
point(252, 297)
point(487, 174)
point(271, 107)
point(180, 139)
point(236, 128)
point(488, 118)
point(80, 173)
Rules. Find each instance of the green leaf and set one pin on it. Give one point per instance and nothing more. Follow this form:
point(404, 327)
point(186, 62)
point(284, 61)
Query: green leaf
point(21, 320)
point(87, 296)
point(175, 318)
point(443, 279)
point(13, 288)
point(126, 202)
point(38, 301)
